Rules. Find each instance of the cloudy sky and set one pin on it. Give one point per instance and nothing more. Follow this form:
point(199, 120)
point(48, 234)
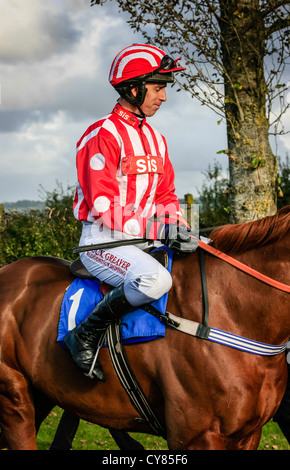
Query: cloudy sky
point(54, 62)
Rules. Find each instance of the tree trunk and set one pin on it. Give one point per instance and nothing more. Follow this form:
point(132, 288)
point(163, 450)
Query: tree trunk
point(252, 165)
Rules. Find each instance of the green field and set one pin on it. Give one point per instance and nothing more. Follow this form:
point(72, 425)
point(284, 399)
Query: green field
point(92, 437)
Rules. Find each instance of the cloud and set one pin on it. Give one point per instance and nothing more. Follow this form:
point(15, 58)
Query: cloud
point(33, 31)
point(74, 77)
point(51, 95)
point(41, 153)
point(41, 144)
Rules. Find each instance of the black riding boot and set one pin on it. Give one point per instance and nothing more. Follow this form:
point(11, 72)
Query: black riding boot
point(84, 340)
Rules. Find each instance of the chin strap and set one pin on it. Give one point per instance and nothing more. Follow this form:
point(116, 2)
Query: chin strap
point(143, 115)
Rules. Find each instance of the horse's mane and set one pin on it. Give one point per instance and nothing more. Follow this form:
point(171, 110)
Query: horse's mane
point(243, 237)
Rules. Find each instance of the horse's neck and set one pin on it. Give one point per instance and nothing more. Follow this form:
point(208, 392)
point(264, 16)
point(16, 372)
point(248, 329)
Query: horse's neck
point(272, 260)
point(238, 303)
point(269, 306)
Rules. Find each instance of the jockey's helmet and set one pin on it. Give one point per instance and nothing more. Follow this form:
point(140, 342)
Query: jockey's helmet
point(137, 65)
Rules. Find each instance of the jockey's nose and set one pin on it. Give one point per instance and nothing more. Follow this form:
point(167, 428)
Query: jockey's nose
point(162, 94)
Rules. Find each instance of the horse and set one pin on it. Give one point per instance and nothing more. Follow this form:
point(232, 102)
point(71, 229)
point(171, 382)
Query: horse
point(207, 396)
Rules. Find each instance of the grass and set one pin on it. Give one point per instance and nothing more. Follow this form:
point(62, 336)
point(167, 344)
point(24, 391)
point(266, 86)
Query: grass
point(273, 438)
point(92, 437)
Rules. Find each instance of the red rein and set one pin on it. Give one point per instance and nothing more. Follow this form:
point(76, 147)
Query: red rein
point(244, 267)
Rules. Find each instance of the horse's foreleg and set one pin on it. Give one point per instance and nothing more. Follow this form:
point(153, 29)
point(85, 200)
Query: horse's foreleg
point(16, 410)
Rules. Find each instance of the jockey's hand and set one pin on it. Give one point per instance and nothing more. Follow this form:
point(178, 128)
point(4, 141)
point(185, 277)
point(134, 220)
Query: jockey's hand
point(179, 239)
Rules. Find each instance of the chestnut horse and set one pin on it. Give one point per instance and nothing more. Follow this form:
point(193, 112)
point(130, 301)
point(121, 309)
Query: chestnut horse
point(206, 395)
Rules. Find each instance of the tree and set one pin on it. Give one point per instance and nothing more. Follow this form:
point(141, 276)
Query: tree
point(235, 52)
point(214, 194)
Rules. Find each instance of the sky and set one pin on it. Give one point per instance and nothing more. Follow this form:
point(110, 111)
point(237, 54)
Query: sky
point(55, 59)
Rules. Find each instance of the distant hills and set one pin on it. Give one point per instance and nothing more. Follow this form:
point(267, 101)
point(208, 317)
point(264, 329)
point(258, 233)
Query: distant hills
point(24, 205)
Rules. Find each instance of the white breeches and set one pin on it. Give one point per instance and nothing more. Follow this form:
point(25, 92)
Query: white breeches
point(144, 278)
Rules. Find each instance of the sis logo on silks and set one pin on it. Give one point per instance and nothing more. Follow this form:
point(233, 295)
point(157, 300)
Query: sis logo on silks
point(138, 165)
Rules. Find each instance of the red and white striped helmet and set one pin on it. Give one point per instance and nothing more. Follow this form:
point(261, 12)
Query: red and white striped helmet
point(142, 61)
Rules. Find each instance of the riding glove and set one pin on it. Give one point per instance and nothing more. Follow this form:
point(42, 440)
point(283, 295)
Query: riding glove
point(179, 238)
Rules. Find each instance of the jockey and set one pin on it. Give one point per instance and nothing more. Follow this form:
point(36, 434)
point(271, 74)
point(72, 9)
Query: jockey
point(126, 190)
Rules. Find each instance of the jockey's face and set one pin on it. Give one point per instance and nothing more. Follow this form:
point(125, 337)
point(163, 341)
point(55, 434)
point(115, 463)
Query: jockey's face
point(155, 96)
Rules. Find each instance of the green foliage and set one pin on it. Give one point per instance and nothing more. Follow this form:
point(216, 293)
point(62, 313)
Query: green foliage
point(214, 198)
point(283, 183)
point(52, 232)
point(257, 162)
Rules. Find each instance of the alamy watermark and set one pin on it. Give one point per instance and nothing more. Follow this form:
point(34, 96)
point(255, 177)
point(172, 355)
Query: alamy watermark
point(122, 221)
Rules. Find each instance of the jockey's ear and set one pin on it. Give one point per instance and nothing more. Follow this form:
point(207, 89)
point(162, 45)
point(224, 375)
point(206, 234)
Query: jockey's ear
point(134, 91)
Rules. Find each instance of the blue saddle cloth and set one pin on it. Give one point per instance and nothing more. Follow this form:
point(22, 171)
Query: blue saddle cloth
point(82, 296)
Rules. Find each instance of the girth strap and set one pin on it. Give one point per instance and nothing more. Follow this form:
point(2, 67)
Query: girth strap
point(129, 382)
point(200, 330)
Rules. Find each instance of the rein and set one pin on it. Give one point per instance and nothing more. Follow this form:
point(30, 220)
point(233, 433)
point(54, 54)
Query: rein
point(243, 267)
